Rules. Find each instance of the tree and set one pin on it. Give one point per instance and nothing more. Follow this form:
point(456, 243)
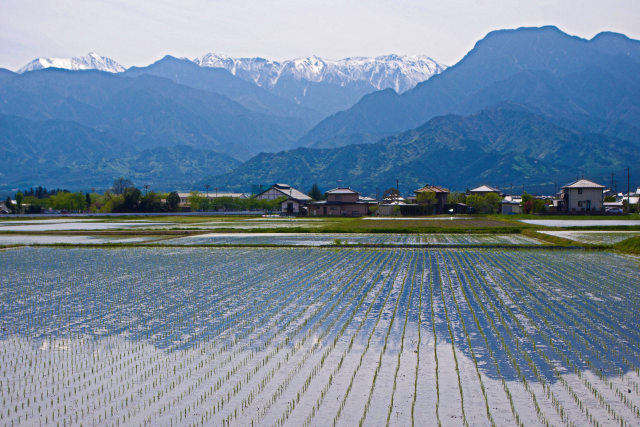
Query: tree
point(492, 201)
point(173, 201)
point(457, 197)
point(532, 205)
point(315, 192)
point(120, 185)
point(87, 197)
point(132, 198)
point(19, 199)
point(484, 204)
point(426, 197)
point(68, 201)
point(151, 202)
point(391, 193)
point(9, 205)
point(197, 201)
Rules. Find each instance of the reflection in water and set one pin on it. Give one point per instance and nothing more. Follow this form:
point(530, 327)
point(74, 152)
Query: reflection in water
point(192, 335)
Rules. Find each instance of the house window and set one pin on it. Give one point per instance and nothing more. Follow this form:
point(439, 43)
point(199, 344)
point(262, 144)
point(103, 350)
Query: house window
point(580, 204)
point(338, 197)
point(579, 190)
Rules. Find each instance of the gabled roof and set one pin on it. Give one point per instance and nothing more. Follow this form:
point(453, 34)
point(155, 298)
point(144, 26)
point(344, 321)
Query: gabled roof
point(342, 190)
point(431, 189)
point(288, 191)
point(485, 189)
point(583, 183)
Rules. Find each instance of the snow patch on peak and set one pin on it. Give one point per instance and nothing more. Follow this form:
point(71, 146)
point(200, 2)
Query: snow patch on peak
point(398, 72)
point(91, 61)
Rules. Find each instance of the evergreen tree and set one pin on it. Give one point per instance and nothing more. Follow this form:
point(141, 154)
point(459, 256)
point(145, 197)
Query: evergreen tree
point(315, 192)
point(173, 201)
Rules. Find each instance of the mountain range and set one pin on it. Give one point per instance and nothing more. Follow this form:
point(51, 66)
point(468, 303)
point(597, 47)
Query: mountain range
point(320, 86)
point(531, 105)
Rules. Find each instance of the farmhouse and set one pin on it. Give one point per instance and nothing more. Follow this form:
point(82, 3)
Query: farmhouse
point(434, 198)
point(342, 201)
point(295, 203)
point(581, 196)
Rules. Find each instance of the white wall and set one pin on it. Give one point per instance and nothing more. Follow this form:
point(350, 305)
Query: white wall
point(578, 202)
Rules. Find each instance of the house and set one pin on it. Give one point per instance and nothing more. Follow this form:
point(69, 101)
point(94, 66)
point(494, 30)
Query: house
point(631, 198)
point(581, 196)
point(483, 190)
point(342, 201)
point(511, 205)
point(433, 197)
point(296, 201)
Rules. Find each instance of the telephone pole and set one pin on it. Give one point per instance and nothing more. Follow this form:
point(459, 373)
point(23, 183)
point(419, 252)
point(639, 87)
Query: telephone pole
point(628, 191)
point(611, 187)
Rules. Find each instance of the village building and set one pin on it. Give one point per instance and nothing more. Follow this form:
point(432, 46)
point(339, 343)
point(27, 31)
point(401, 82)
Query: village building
point(390, 205)
point(432, 197)
point(296, 201)
point(483, 190)
point(581, 196)
point(511, 205)
point(342, 201)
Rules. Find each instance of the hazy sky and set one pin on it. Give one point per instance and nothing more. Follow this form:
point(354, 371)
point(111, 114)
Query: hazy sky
point(140, 32)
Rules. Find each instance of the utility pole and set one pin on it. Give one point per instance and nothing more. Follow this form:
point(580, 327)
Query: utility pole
point(611, 187)
point(206, 186)
point(216, 188)
point(398, 186)
point(146, 189)
point(628, 191)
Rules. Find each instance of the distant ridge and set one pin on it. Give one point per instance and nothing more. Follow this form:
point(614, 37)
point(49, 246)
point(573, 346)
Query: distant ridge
point(398, 72)
point(91, 61)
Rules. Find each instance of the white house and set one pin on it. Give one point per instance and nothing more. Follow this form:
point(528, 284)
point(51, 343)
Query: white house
point(582, 196)
point(295, 202)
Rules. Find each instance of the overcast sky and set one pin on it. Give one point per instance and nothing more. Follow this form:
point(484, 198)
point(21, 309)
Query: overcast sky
point(140, 32)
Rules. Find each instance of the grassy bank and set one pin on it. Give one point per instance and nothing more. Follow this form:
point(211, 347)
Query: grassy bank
point(631, 245)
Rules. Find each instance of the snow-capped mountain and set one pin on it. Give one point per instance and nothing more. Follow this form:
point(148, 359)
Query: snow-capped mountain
point(398, 72)
point(91, 61)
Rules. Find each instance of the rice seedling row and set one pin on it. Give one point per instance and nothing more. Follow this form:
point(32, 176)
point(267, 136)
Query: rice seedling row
point(578, 354)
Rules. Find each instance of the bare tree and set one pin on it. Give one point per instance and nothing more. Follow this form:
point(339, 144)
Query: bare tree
point(121, 184)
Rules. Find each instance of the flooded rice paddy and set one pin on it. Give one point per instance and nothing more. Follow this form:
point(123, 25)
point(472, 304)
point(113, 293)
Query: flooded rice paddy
point(312, 336)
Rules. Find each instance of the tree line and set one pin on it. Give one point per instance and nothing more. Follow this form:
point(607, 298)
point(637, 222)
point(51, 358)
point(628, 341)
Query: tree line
point(125, 197)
